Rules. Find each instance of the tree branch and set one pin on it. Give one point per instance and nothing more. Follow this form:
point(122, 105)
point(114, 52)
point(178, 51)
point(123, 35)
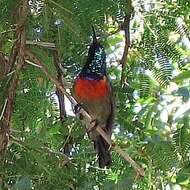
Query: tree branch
point(67, 145)
point(31, 56)
point(11, 92)
point(41, 149)
point(60, 96)
point(125, 26)
point(42, 44)
point(86, 117)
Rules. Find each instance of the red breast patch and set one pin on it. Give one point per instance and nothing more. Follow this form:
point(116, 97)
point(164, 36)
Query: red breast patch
point(91, 89)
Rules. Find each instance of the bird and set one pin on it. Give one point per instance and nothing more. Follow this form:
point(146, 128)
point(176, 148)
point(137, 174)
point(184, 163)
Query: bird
point(93, 91)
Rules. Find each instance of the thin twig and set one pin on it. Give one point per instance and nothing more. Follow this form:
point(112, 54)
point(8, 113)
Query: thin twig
point(54, 152)
point(13, 55)
point(125, 27)
point(31, 63)
point(41, 149)
point(8, 31)
point(33, 58)
point(60, 96)
point(67, 145)
point(61, 7)
point(3, 109)
point(41, 44)
point(86, 117)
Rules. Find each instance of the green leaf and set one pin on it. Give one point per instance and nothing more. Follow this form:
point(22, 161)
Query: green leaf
point(181, 77)
point(183, 179)
point(23, 184)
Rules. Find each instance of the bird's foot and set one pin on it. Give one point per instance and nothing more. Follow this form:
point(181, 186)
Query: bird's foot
point(93, 126)
point(112, 145)
point(77, 109)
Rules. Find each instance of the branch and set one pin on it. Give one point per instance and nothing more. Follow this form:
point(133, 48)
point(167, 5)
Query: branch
point(11, 92)
point(86, 117)
point(33, 58)
point(41, 44)
point(67, 145)
point(7, 31)
point(60, 96)
point(3, 109)
point(21, 39)
point(3, 66)
point(125, 27)
point(40, 149)
point(13, 55)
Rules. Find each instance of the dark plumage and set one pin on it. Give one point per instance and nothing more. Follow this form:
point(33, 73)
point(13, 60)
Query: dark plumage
point(93, 91)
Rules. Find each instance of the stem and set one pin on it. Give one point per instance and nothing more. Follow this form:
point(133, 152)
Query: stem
point(125, 27)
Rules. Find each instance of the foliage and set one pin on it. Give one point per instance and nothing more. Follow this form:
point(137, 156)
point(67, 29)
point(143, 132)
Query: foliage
point(152, 117)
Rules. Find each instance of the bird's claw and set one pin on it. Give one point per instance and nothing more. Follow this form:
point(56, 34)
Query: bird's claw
point(77, 109)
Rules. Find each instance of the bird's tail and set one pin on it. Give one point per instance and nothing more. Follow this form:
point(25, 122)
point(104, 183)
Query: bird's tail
point(102, 148)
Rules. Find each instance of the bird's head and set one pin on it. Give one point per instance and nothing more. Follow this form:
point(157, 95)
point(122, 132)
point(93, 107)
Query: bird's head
point(95, 66)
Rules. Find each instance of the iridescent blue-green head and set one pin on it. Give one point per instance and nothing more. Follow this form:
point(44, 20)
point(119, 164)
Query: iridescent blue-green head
point(95, 66)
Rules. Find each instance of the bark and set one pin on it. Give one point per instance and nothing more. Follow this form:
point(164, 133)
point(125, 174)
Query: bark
point(18, 49)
